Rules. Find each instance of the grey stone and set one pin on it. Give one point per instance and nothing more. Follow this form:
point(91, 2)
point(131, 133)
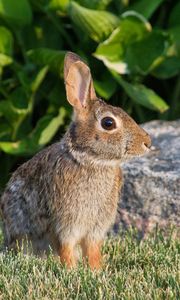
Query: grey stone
point(151, 192)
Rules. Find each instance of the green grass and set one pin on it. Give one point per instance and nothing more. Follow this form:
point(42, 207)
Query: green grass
point(149, 269)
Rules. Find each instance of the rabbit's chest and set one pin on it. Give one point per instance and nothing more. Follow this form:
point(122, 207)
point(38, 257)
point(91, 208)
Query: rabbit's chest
point(90, 203)
point(94, 191)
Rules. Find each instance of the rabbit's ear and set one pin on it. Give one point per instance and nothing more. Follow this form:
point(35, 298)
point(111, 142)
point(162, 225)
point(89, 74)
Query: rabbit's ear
point(78, 81)
point(69, 59)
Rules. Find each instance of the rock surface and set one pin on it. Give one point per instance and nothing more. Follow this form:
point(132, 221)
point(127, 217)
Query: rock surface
point(151, 192)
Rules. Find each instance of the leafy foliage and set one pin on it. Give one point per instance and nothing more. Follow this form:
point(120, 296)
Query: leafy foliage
point(132, 48)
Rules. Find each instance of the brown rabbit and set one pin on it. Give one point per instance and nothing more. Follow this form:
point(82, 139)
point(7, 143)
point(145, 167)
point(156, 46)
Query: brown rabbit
point(67, 194)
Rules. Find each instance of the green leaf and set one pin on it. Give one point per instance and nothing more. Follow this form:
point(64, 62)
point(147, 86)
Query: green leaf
point(6, 41)
point(133, 27)
point(5, 60)
point(8, 111)
point(20, 102)
point(15, 148)
point(39, 33)
point(174, 19)
point(174, 26)
point(41, 135)
point(97, 24)
point(141, 55)
point(105, 87)
point(48, 133)
point(57, 96)
point(142, 95)
point(144, 8)
point(39, 79)
point(175, 32)
point(5, 130)
point(15, 109)
point(95, 4)
point(58, 5)
point(16, 13)
point(54, 59)
point(169, 67)
point(23, 78)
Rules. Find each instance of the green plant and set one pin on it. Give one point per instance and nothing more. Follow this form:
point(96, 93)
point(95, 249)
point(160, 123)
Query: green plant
point(132, 48)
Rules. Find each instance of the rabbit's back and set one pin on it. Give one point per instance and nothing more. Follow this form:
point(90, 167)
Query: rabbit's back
point(25, 202)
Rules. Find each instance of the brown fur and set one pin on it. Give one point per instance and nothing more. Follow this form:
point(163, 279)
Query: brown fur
point(92, 252)
point(67, 194)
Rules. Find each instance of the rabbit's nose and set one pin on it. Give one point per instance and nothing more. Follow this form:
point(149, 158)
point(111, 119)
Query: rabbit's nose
point(148, 145)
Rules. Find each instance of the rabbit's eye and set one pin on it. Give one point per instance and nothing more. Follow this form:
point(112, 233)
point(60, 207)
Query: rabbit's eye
point(108, 123)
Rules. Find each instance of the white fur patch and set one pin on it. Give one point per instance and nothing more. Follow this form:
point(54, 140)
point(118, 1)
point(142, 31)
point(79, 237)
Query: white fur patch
point(84, 158)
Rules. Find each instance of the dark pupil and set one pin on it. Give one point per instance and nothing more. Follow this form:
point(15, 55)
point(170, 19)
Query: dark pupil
point(108, 123)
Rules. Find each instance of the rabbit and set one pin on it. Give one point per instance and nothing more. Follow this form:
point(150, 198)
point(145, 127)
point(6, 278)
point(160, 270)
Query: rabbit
point(67, 194)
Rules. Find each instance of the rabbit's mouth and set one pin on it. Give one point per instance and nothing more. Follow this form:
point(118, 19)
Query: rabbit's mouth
point(135, 150)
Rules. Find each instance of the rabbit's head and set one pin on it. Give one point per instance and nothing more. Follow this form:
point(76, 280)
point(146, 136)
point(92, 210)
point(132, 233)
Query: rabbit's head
point(99, 132)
